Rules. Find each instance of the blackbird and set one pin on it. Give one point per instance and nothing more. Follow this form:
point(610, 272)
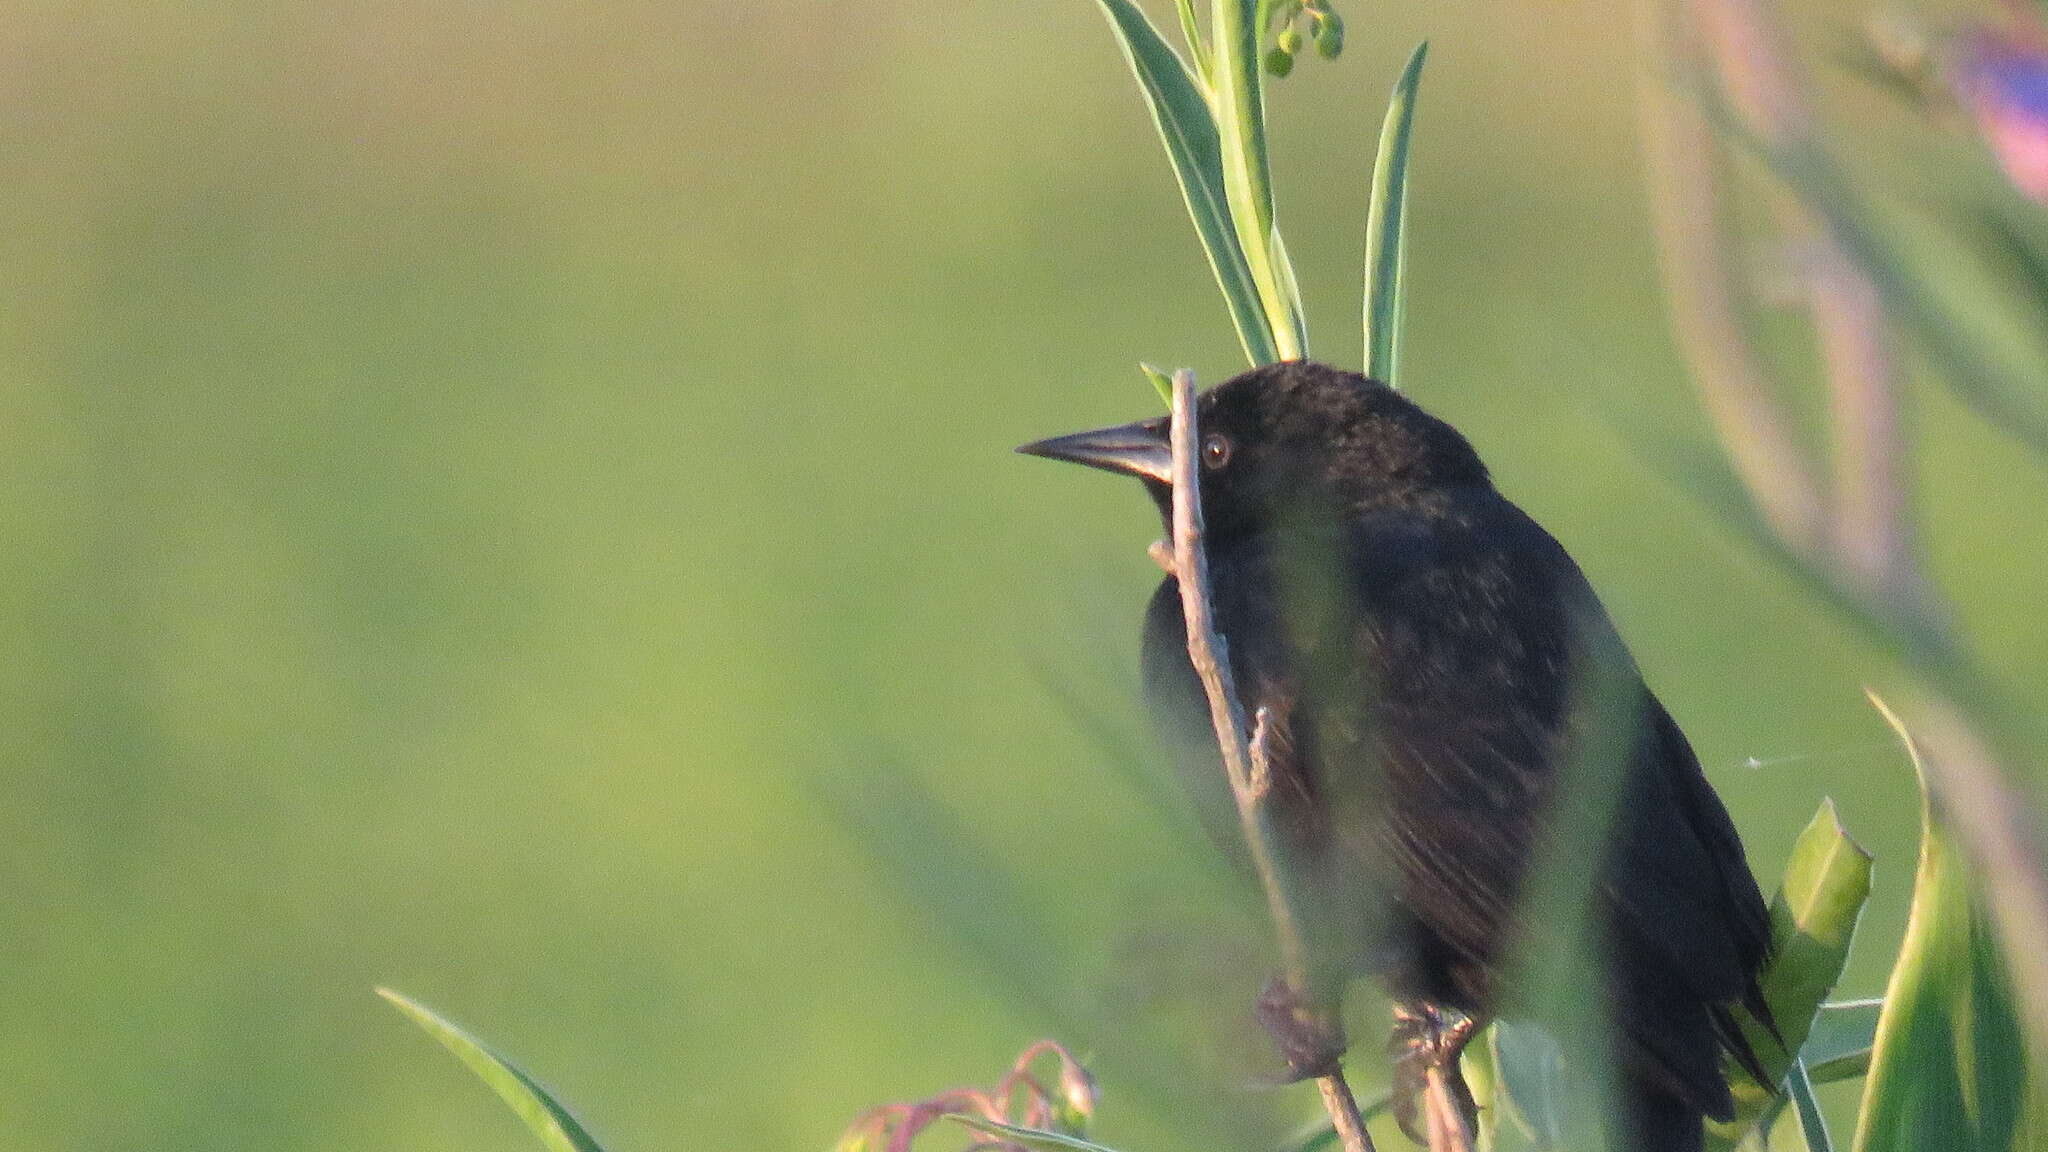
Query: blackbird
point(1418, 645)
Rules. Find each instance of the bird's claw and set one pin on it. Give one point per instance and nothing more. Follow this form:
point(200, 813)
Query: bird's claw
point(1425, 1040)
point(1309, 1041)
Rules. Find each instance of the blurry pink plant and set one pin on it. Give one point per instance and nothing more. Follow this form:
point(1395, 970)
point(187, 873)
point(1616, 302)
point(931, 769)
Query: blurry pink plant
point(1020, 1100)
point(2001, 78)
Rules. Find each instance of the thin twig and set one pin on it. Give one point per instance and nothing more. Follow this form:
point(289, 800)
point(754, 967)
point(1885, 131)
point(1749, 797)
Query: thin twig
point(1446, 1094)
point(1446, 1122)
point(1344, 1114)
point(1211, 661)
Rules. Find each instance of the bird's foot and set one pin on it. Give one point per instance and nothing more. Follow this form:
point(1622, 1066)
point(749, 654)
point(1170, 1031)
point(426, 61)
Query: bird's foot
point(1309, 1039)
point(1426, 1044)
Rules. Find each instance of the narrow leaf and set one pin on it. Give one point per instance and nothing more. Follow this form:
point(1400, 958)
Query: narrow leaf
point(1838, 1048)
point(1812, 1125)
point(1949, 1069)
point(1386, 232)
point(1813, 921)
point(1037, 1138)
point(1532, 1092)
point(1187, 127)
point(1162, 382)
point(1482, 1079)
point(542, 1114)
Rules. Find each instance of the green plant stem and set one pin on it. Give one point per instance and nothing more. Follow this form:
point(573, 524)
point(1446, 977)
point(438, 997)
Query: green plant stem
point(1237, 85)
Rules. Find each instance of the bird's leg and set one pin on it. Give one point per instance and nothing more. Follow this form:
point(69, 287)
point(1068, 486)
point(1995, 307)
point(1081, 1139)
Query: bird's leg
point(1309, 1039)
point(1425, 1046)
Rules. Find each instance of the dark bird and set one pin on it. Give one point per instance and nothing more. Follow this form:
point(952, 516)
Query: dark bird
point(1419, 645)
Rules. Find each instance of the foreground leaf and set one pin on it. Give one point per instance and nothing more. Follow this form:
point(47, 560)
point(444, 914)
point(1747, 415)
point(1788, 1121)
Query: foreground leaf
point(542, 1114)
point(1187, 127)
point(1386, 237)
point(1037, 1138)
point(1162, 382)
point(1531, 1092)
point(1813, 921)
point(1949, 1069)
point(1839, 1046)
point(1812, 1125)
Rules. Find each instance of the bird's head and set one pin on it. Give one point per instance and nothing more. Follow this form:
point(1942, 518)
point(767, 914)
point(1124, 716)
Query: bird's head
point(1287, 441)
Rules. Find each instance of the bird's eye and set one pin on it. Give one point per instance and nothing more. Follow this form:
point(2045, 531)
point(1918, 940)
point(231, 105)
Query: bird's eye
point(1215, 451)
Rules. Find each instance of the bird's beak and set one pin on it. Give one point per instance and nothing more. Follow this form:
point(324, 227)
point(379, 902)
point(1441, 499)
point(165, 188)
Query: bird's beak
point(1139, 449)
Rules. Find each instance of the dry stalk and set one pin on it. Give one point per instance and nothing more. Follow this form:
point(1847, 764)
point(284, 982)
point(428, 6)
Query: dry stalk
point(1244, 756)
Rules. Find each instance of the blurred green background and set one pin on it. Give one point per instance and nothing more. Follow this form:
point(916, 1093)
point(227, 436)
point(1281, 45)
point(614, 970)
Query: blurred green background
point(513, 500)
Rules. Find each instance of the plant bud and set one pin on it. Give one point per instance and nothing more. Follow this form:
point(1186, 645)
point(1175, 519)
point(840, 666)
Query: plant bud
point(1329, 34)
point(1279, 62)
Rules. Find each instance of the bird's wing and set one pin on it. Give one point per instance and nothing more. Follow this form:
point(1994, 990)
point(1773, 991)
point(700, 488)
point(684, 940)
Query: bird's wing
point(1476, 644)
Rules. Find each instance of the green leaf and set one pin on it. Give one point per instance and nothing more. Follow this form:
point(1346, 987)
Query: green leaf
point(1813, 921)
point(1386, 236)
point(1556, 1057)
point(1187, 127)
point(1161, 381)
point(543, 1115)
point(1812, 1125)
point(1037, 1138)
point(1482, 1079)
point(1238, 81)
point(1838, 1048)
point(1949, 1069)
point(1532, 1090)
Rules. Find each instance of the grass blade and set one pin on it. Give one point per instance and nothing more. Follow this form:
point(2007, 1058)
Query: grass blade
point(1812, 1125)
point(1839, 1046)
point(1949, 1066)
point(1386, 233)
point(1035, 1138)
point(542, 1114)
point(1162, 382)
point(1187, 127)
point(1813, 922)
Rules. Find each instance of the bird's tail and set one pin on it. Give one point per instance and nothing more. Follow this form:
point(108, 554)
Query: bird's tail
point(1654, 1120)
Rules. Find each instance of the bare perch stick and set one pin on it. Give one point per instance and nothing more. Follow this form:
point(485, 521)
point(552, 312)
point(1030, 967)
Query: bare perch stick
point(1244, 759)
